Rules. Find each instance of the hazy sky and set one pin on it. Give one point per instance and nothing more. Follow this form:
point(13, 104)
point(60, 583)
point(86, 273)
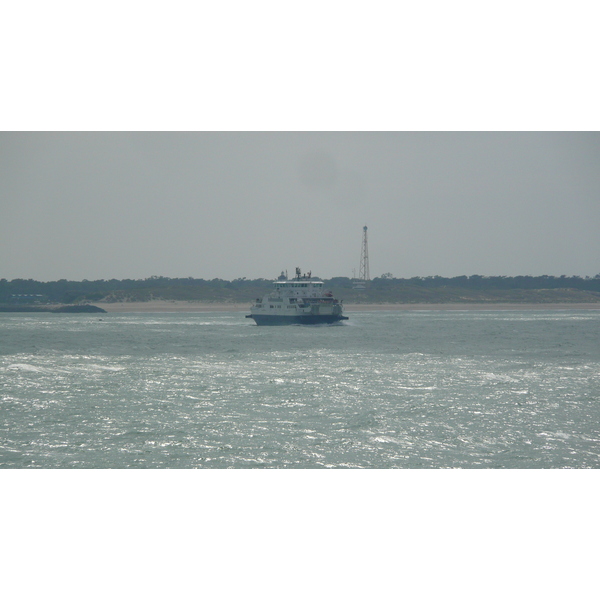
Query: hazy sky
point(228, 205)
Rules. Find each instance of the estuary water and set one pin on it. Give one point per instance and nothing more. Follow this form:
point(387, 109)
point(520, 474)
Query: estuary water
point(386, 389)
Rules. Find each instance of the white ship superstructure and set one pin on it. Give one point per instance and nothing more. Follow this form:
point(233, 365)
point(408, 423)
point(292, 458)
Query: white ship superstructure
point(302, 300)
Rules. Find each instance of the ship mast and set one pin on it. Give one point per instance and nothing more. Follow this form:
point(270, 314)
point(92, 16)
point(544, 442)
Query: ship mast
point(363, 269)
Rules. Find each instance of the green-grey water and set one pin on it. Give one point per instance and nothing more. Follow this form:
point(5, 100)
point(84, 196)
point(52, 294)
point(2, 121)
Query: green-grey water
point(388, 389)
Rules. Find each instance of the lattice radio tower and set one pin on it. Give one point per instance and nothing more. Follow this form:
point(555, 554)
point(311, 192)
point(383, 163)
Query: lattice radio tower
point(363, 269)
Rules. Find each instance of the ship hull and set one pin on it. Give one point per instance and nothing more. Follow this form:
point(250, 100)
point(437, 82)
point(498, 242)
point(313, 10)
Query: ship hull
point(296, 319)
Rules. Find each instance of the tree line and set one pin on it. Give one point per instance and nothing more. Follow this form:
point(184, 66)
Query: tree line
point(385, 288)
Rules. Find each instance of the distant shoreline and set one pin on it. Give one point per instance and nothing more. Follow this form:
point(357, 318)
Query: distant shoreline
point(51, 308)
point(175, 306)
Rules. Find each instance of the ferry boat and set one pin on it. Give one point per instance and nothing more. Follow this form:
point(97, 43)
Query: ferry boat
point(301, 300)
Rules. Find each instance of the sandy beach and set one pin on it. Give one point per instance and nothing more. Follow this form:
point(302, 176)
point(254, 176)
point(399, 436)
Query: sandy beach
point(157, 306)
point(169, 306)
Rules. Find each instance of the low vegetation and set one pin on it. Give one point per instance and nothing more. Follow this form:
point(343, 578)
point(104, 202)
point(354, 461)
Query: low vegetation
point(384, 289)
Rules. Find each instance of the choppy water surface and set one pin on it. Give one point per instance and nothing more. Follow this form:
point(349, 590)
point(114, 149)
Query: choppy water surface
point(407, 389)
